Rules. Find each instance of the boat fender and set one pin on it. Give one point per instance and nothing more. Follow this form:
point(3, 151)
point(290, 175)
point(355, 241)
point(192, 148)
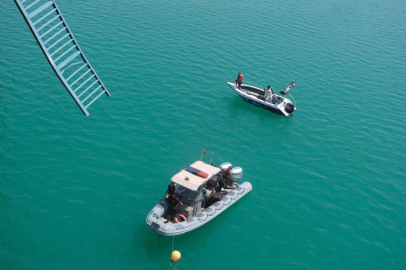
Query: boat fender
point(240, 190)
point(176, 219)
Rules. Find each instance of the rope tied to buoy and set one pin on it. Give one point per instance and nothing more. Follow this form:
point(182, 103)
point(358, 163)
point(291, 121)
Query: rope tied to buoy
point(175, 256)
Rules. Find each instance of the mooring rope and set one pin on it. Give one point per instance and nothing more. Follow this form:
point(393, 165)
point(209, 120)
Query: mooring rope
point(173, 240)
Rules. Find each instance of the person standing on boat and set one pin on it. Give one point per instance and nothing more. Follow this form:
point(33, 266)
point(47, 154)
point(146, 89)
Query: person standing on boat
point(173, 202)
point(270, 95)
point(171, 189)
point(238, 81)
point(267, 91)
point(227, 176)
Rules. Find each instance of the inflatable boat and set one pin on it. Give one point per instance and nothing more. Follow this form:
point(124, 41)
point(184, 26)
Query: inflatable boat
point(255, 96)
point(201, 203)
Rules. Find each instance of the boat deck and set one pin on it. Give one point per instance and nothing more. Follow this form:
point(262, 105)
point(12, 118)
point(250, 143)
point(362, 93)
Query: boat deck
point(189, 208)
point(259, 94)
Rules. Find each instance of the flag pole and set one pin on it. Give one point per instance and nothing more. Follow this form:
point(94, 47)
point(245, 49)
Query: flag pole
point(203, 152)
point(211, 158)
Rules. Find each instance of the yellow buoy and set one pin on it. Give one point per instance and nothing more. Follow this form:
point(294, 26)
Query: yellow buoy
point(175, 255)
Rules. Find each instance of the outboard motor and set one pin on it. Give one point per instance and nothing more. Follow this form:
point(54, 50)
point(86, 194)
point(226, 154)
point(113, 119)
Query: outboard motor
point(225, 165)
point(237, 174)
point(289, 108)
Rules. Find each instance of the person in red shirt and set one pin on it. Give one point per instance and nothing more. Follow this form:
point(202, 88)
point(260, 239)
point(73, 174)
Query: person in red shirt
point(239, 80)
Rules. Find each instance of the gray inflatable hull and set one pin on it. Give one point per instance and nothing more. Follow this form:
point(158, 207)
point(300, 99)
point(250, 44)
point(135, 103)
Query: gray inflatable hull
point(156, 223)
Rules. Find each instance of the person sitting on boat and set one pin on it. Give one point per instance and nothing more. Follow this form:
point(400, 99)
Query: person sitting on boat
point(171, 189)
point(217, 188)
point(238, 81)
point(211, 184)
point(226, 174)
point(173, 202)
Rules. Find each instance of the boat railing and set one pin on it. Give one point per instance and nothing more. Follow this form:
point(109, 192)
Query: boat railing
point(294, 101)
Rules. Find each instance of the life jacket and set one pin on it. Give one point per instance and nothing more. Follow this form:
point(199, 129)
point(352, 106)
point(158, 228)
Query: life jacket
point(241, 77)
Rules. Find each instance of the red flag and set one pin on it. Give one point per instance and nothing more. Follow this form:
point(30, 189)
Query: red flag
point(201, 156)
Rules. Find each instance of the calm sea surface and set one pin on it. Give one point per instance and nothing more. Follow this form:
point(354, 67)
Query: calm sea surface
point(329, 184)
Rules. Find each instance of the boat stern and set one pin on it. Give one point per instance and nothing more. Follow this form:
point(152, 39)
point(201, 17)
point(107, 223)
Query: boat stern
point(156, 222)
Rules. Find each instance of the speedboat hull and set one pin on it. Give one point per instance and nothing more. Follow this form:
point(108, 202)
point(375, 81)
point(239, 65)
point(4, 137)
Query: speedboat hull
point(254, 96)
point(156, 223)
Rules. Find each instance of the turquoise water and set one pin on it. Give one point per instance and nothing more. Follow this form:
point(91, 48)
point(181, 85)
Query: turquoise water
point(328, 184)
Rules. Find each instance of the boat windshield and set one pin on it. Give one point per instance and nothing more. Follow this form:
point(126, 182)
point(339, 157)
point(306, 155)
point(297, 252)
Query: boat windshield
point(191, 194)
point(189, 197)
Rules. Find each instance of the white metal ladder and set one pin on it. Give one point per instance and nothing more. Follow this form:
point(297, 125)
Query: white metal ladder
point(62, 51)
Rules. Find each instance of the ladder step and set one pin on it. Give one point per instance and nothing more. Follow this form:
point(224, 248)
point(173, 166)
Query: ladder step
point(90, 103)
point(91, 94)
point(59, 40)
point(62, 55)
point(74, 73)
point(80, 77)
point(27, 7)
point(81, 94)
point(71, 65)
point(80, 86)
point(43, 17)
point(60, 48)
point(49, 30)
point(57, 33)
point(67, 60)
point(38, 10)
point(51, 20)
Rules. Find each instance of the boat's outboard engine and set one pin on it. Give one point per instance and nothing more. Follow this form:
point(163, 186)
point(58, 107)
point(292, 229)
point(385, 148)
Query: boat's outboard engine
point(225, 165)
point(237, 174)
point(289, 108)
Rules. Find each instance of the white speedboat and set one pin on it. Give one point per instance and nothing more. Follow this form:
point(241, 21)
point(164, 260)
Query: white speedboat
point(200, 203)
point(255, 96)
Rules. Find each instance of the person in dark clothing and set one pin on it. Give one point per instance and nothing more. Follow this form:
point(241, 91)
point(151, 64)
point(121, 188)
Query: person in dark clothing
point(217, 188)
point(173, 202)
point(226, 174)
point(211, 184)
point(171, 189)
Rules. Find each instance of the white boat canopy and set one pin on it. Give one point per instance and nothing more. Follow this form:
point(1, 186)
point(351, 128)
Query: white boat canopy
point(191, 181)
